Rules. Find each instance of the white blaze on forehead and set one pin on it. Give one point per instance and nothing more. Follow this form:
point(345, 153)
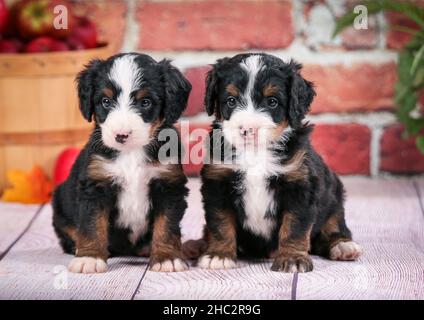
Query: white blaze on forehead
point(127, 76)
point(252, 65)
point(247, 115)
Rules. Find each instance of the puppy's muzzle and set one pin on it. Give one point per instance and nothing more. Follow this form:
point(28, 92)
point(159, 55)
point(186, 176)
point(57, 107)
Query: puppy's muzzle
point(248, 132)
point(122, 137)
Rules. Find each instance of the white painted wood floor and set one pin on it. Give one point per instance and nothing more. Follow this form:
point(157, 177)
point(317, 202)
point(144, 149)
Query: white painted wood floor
point(385, 216)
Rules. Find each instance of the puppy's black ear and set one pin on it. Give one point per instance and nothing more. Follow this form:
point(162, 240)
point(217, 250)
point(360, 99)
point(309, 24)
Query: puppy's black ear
point(211, 96)
point(177, 90)
point(212, 88)
point(86, 81)
point(301, 95)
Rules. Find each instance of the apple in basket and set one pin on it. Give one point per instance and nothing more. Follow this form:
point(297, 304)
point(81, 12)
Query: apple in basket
point(46, 44)
point(3, 16)
point(36, 18)
point(11, 46)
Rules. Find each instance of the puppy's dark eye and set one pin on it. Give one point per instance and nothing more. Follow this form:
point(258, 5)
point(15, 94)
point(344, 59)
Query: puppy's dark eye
point(146, 103)
point(106, 103)
point(272, 102)
point(231, 102)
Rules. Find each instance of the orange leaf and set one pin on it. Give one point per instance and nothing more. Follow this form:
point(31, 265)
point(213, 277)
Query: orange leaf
point(31, 187)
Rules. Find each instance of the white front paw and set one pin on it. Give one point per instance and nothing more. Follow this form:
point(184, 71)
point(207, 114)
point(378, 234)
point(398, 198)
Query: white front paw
point(345, 250)
point(175, 265)
point(215, 262)
point(87, 265)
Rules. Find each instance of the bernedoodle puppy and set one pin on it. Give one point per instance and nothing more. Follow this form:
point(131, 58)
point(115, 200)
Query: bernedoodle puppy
point(119, 199)
point(266, 192)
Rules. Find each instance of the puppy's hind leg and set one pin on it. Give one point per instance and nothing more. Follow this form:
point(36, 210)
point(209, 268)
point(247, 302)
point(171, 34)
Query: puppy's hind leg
point(334, 240)
point(193, 249)
point(64, 228)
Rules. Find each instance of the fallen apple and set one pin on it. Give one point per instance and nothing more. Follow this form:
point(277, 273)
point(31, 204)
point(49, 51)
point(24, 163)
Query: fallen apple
point(64, 164)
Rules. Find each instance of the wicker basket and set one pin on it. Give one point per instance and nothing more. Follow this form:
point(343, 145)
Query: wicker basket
point(39, 114)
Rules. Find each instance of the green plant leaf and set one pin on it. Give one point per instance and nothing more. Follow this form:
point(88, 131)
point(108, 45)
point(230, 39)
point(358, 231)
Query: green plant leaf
point(409, 9)
point(418, 59)
point(420, 143)
point(414, 126)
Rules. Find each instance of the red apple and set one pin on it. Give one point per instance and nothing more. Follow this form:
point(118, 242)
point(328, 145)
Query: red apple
point(10, 46)
point(11, 29)
point(58, 45)
point(3, 16)
point(64, 165)
point(75, 44)
point(36, 18)
point(85, 31)
point(41, 44)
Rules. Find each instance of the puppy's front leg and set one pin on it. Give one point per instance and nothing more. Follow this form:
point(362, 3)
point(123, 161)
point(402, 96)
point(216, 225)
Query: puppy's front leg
point(166, 254)
point(220, 235)
point(91, 241)
point(293, 247)
point(169, 205)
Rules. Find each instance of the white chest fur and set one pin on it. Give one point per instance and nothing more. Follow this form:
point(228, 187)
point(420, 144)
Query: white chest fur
point(132, 174)
point(257, 198)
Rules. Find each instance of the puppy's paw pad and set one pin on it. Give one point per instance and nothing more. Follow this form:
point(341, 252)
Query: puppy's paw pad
point(176, 265)
point(87, 265)
point(347, 250)
point(292, 264)
point(215, 262)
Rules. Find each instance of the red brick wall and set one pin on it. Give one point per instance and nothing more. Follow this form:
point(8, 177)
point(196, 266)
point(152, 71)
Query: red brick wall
point(354, 74)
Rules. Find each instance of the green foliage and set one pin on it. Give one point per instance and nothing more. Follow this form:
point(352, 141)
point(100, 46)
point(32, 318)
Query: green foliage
point(410, 63)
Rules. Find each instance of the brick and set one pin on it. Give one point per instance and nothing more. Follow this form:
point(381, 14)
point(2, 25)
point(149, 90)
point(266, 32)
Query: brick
point(109, 17)
point(353, 88)
point(336, 92)
point(189, 140)
point(215, 25)
point(344, 147)
point(353, 39)
point(398, 155)
point(196, 76)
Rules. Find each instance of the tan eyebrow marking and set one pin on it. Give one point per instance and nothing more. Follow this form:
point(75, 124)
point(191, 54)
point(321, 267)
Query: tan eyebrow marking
point(232, 89)
point(270, 90)
point(142, 94)
point(108, 92)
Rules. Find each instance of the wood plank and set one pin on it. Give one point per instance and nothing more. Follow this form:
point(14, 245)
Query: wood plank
point(385, 218)
point(35, 268)
point(14, 218)
point(251, 281)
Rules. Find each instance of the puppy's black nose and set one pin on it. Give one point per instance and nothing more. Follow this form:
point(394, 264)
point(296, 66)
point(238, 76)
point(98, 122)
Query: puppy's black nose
point(121, 138)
